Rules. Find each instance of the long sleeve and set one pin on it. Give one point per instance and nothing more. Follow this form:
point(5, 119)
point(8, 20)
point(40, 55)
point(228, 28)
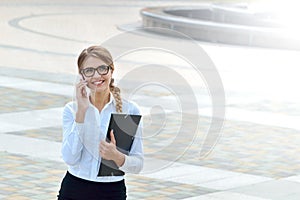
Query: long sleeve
point(135, 160)
point(72, 144)
point(80, 145)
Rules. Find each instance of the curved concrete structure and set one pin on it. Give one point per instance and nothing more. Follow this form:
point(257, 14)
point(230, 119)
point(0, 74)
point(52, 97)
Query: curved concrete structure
point(222, 24)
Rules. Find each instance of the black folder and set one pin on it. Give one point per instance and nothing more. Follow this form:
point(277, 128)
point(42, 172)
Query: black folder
point(124, 127)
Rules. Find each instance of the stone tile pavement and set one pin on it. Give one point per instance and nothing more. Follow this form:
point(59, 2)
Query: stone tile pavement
point(30, 178)
point(256, 157)
point(246, 156)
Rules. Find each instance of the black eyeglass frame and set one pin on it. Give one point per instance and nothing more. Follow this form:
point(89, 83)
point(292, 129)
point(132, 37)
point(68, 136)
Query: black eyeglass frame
point(108, 67)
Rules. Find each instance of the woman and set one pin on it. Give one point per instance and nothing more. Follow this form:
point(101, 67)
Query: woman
point(85, 123)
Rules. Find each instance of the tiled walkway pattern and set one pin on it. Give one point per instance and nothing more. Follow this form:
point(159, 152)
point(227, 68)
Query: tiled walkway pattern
point(256, 157)
point(244, 147)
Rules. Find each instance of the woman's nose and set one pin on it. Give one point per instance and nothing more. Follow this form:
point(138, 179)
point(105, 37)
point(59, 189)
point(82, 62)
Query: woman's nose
point(97, 75)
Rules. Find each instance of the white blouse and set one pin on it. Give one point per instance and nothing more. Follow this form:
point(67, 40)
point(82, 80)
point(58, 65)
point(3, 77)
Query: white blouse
point(80, 146)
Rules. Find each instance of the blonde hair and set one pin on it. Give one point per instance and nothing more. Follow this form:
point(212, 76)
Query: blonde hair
point(104, 55)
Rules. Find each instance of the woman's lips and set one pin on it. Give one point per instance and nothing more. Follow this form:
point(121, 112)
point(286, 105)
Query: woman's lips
point(97, 83)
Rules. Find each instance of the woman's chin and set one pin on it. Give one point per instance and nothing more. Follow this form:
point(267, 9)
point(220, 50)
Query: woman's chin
point(99, 89)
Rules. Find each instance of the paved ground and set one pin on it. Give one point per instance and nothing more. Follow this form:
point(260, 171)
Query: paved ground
point(256, 157)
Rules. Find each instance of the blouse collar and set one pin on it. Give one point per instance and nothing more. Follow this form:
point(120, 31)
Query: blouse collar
point(111, 99)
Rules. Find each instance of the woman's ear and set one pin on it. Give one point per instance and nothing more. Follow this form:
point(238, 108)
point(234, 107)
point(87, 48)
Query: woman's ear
point(111, 82)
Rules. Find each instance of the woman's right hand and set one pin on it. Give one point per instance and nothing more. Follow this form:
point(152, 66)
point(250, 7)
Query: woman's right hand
point(82, 100)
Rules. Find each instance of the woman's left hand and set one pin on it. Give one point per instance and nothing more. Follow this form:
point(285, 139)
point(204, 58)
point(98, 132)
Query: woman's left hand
point(108, 150)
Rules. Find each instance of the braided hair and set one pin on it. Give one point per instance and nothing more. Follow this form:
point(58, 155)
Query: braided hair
point(116, 92)
point(105, 56)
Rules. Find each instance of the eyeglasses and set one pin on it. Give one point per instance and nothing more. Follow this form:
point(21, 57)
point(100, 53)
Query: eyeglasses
point(90, 71)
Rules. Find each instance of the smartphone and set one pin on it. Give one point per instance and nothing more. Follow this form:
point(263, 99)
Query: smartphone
point(80, 77)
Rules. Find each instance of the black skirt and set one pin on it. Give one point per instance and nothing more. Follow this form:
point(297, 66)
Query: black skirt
point(74, 188)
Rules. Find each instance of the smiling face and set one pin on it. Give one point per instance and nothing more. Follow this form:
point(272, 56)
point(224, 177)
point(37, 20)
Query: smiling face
point(97, 82)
